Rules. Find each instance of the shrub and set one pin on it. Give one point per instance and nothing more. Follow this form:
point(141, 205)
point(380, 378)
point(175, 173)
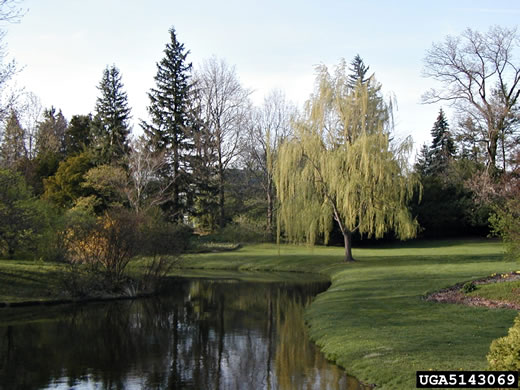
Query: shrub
point(108, 242)
point(81, 282)
point(505, 223)
point(99, 249)
point(20, 214)
point(468, 287)
point(242, 230)
point(159, 237)
point(504, 353)
point(162, 242)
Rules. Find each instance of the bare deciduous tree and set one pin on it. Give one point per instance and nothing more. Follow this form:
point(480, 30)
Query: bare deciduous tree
point(271, 124)
point(31, 111)
point(480, 77)
point(144, 188)
point(10, 12)
point(225, 109)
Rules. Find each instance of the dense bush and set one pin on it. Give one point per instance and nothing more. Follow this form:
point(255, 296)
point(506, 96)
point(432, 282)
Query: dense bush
point(107, 242)
point(468, 287)
point(159, 237)
point(504, 353)
point(242, 230)
point(448, 208)
point(505, 223)
point(81, 281)
point(20, 214)
point(99, 249)
point(66, 185)
point(160, 244)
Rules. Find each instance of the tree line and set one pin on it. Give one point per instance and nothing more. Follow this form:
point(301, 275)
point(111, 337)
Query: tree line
point(209, 159)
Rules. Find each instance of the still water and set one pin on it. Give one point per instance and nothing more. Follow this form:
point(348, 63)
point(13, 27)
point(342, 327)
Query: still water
point(205, 334)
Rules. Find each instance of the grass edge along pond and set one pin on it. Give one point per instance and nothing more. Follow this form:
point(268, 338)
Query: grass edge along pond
point(373, 320)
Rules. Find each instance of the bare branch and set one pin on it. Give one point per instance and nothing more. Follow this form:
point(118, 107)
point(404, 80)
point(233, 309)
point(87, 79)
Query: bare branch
point(479, 78)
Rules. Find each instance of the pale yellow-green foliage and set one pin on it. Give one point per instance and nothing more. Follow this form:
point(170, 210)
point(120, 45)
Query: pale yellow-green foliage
point(340, 159)
point(504, 353)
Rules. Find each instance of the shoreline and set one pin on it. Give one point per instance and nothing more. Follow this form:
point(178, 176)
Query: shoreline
point(374, 320)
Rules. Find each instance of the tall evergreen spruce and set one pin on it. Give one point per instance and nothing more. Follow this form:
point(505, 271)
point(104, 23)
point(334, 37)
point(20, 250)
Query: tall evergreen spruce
point(423, 161)
point(434, 160)
point(446, 207)
point(442, 149)
point(169, 129)
point(110, 124)
point(50, 136)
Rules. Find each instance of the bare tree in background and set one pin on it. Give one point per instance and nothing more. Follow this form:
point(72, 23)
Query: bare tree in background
point(225, 109)
point(31, 111)
point(145, 188)
point(481, 78)
point(10, 12)
point(271, 125)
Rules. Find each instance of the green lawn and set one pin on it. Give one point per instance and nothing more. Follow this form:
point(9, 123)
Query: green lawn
point(372, 320)
point(27, 280)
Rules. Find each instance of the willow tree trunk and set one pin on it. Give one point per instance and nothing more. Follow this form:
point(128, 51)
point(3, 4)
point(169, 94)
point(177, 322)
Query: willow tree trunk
point(347, 234)
point(347, 238)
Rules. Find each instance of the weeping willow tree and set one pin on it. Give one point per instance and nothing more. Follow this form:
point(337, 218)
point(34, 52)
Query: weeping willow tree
point(341, 167)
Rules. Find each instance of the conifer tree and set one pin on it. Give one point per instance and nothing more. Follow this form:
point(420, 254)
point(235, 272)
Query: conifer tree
point(423, 162)
point(442, 148)
point(434, 160)
point(12, 148)
point(49, 147)
point(446, 206)
point(78, 136)
point(50, 137)
point(110, 124)
point(358, 73)
point(169, 128)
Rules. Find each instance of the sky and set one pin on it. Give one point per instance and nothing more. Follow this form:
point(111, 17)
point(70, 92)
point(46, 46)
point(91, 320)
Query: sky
point(63, 46)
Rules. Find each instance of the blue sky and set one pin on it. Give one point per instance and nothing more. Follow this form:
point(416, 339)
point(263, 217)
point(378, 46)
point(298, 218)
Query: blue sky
point(64, 45)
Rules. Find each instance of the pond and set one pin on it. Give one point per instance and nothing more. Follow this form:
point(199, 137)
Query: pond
point(204, 334)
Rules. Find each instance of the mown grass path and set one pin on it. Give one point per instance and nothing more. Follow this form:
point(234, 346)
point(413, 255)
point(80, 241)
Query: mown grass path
point(373, 320)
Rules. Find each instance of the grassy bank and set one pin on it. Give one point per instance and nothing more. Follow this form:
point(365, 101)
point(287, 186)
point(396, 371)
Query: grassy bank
point(27, 280)
point(373, 320)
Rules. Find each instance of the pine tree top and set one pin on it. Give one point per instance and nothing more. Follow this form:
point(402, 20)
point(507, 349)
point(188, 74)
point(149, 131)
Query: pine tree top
point(170, 99)
point(358, 71)
point(434, 160)
point(112, 105)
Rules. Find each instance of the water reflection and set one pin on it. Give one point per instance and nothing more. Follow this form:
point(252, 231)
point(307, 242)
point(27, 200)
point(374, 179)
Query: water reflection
point(205, 335)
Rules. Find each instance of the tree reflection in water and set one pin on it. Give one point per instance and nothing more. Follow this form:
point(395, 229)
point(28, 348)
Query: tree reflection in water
point(204, 335)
